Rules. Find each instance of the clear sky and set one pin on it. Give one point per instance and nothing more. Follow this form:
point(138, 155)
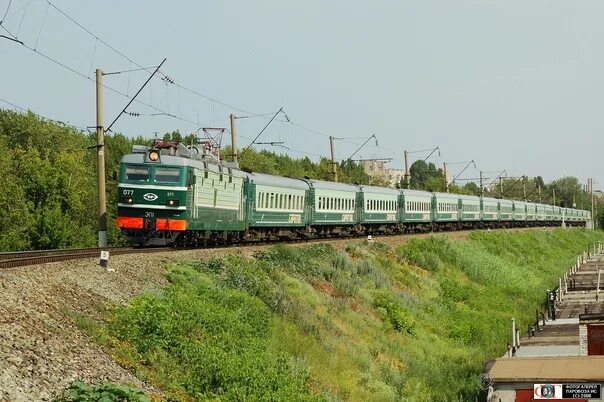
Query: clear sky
point(515, 84)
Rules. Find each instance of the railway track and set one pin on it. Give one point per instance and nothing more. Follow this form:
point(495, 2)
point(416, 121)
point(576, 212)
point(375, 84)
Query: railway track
point(23, 258)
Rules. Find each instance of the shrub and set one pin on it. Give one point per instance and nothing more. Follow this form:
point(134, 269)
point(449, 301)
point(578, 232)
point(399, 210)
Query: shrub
point(106, 392)
point(397, 315)
point(209, 342)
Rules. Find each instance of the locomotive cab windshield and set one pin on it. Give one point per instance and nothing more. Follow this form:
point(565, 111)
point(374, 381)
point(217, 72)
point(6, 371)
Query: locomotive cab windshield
point(153, 174)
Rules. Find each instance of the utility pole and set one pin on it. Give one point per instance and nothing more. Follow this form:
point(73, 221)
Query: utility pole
point(481, 188)
point(233, 137)
point(591, 191)
point(539, 191)
point(100, 144)
point(554, 196)
point(407, 170)
point(334, 167)
point(524, 188)
point(446, 176)
point(501, 186)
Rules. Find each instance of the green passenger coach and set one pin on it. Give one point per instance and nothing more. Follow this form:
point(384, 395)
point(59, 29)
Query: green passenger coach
point(333, 206)
point(469, 207)
point(379, 206)
point(489, 208)
point(446, 209)
point(416, 208)
point(277, 206)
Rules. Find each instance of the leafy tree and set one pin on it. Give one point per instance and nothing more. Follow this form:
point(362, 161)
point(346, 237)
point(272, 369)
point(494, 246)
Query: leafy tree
point(471, 188)
point(173, 136)
point(421, 172)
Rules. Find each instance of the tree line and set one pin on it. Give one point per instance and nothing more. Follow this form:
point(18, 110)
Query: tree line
point(565, 191)
point(48, 185)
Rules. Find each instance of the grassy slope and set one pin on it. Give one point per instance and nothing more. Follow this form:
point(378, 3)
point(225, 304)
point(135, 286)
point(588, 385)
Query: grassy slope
point(371, 323)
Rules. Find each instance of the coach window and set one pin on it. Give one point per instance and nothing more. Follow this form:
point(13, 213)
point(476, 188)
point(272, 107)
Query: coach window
point(137, 173)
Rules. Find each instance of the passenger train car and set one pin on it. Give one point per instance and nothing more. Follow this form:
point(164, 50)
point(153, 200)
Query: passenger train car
point(173, 195)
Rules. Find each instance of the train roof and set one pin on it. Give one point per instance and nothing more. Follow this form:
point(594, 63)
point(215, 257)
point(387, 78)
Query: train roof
point(446, 196)
point(279, 181)
point(490, 199)
point(469, 197)
point(379, 190)
point(416, 192)
point(175, 160)
point(330, 185)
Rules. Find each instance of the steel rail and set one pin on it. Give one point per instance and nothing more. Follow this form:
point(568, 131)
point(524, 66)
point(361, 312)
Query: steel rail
point(23, 258)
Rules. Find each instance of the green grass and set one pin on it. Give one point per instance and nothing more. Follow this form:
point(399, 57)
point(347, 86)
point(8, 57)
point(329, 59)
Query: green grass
point(372, 323)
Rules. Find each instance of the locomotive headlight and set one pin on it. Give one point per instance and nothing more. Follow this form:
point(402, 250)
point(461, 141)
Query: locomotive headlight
point(172, 203)
point(153, 156)
point(127, 200)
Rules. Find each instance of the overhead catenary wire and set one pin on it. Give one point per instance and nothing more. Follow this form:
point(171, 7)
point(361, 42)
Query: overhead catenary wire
point(42, 26)
point(6, 12)
point(63, 65)
point(22, 18)
point(135, 95)
point(40, 116)
point(165, 77)
point(260, 133)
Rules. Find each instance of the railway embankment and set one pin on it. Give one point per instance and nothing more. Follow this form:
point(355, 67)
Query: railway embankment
point(349, 320)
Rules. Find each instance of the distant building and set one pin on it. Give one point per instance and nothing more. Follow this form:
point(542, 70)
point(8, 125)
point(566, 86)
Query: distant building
point(377, 168)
